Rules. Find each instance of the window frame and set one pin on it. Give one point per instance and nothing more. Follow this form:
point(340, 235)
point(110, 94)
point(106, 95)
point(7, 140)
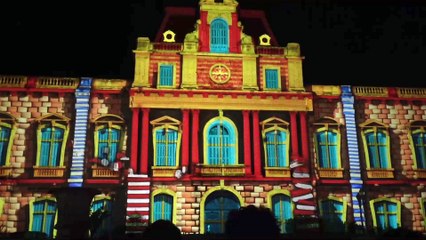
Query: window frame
point(335, 199)
point(9, 121)
point(233, 134)
point(373, 212)
point(174, 202)
point(274, 124)
point(213, 47)
point(418, 126)
point(106, 221)
point(166, 122)
point(374, 126)
point(423, 210)
point(285, 192)
point(168, 64)
point(109, 121)
point(275, 68)
point(31, 213)
point(54, 121)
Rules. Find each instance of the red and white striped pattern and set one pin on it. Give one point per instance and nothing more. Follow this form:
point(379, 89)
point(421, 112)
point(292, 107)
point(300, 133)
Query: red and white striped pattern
point(138, 202)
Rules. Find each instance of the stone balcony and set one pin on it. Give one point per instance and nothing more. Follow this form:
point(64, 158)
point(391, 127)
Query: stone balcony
point(220, 170)
point(330, 172)
point(55, 172)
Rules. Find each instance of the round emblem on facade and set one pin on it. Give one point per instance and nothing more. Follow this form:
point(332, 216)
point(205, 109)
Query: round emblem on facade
point(220, 73)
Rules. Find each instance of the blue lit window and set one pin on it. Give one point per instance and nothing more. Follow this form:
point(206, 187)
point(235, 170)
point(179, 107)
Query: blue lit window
point(272, 79)
point(378, 149)
point(163, 207)
point(328, 148)
point(7, 131)
point(221, 139)
point(166, 146)
point(101, 208)
point(52, 134)
point(386, 213)
point(219, 39)
point(276, 146)
point(333, 214)
point(166, 77)
point(283, 212)
point(42, 216)
point(108, 137)
point(216, 210)
point(418, 143)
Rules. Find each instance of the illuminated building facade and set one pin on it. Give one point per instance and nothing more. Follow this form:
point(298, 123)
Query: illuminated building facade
point(215, 118)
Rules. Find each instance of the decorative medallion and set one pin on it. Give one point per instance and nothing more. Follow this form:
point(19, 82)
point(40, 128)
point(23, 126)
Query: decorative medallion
point(220, 73)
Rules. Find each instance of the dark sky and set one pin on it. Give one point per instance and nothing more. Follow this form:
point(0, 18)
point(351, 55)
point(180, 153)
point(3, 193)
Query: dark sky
point(357, 42)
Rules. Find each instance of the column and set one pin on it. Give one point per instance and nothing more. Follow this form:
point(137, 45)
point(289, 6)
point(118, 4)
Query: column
point(256, 145)
point(294, 139)
point(185, 138)
point(145, 141)
point(247, 142)
point(304, 136)
point(195, 126)
point(135, 139)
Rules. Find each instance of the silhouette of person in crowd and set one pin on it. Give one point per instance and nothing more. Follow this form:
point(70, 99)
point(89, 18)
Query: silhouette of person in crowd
point(162, 230)
point(251, 222)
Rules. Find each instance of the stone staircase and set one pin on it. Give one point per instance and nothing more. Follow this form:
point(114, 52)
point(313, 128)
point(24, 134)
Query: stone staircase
point(138, 203)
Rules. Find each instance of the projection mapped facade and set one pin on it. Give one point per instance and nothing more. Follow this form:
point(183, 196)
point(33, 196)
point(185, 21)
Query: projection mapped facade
point(214, 119)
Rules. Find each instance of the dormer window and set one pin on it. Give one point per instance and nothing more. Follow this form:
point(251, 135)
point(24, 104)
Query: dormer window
point(219, 36)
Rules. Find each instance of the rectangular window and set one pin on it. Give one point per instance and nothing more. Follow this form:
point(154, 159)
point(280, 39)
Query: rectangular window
point(327, 149)
point(332, 214)
point(109, 143)
point(43, 216)
point(271, 79)
point(419, 141)
point(51, 144)
point(276, 148)
point(166, 147)
point(378, 150)
point(386, 215)
point(166, 75)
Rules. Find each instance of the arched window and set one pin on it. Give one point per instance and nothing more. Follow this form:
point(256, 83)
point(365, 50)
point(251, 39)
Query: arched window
point(221, 142)
point(386, 213)
point(418, 143)
point(333, 214)
point(162, 207)
point(376, 144)
point(52, 135)
point(43, 215)
point(7, 132)
point(217, 207)
point(219, 36)
point(108, 136)
point(283, 212)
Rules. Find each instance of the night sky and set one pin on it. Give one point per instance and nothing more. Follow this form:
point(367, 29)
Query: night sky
point(356, 42)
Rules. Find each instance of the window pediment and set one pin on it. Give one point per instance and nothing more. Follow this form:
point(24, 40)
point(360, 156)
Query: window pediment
point(373, 123)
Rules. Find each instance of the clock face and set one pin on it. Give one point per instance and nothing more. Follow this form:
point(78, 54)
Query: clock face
point(220, 73)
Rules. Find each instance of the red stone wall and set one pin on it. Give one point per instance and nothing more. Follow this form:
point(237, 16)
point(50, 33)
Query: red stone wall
point(203, 73)
point(167, 58)
point(280, 62)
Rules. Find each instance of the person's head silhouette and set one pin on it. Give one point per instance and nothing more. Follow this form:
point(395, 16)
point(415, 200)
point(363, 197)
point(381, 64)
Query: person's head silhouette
point(252, 222)
point(162, 230)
